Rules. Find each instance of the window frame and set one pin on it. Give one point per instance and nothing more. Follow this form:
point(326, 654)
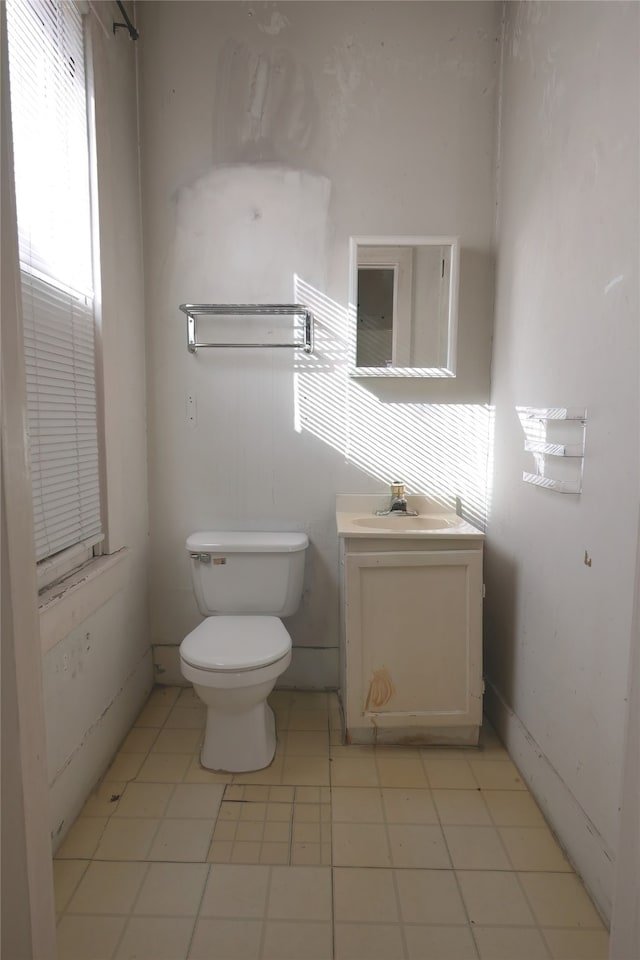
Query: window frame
point(66, 563)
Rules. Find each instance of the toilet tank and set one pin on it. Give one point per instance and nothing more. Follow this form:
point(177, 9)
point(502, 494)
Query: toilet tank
point(247, 573)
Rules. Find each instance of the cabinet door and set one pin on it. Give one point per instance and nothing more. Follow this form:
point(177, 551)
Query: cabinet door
point(414, 638)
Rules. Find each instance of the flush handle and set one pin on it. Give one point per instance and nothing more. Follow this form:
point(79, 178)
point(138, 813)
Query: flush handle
point(202, 557)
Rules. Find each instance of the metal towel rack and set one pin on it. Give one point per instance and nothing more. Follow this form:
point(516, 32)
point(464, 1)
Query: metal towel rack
point(194, 310)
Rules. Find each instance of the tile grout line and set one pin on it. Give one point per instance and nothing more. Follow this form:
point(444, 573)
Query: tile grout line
point(504, 846)
point(394, 882)
point(265, 915)
point(470, 924)
point(386, 830)
point(196, 918)
point(291, 822)
point(331, 866)
point(528, 902)
point(129, 915)
point(400, 921)
point(74, 888)
point(513, 869)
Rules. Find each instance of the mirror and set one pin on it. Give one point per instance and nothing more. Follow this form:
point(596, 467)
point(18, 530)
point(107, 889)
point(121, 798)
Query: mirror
point(404, 306)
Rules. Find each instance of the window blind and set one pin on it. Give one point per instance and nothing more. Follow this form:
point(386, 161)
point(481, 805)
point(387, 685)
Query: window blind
point(51, 160)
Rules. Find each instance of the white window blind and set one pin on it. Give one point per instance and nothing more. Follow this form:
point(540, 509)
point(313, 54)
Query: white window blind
point(51, 159)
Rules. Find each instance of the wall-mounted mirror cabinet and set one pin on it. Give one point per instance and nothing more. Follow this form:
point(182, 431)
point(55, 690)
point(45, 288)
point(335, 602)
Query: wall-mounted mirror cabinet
point(403, 306)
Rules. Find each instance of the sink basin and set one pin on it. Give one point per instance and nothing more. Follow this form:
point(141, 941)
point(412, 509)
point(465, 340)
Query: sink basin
point(408, 524)
point(356, 517)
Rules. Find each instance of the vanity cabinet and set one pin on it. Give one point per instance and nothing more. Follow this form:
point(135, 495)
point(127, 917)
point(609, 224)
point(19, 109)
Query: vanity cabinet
point(412, 640)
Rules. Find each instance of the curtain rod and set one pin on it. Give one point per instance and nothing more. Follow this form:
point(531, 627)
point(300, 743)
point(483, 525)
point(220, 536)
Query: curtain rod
point(133, 33)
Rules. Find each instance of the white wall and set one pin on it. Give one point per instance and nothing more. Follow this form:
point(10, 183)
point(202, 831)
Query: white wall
point(98, 673)
point(558, 626)
point(27, 914)
point(625, 921)
point(270, 134)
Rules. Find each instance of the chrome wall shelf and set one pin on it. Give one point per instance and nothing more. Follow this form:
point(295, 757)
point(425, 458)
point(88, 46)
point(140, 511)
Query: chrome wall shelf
point(195, 310)
point(560, 486)
point(554, 449)
point(536, 423)
point(554, 413)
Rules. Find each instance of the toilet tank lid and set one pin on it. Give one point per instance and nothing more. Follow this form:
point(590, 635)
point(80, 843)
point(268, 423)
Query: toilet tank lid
point(226, 541)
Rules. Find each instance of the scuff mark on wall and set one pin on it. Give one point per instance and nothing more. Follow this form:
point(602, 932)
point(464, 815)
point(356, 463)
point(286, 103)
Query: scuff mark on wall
point(276, 24)
point(343, 64)
point(613, 283)
point(89, 732)
point(265, 105)
point(258, 95)
point(530, 13)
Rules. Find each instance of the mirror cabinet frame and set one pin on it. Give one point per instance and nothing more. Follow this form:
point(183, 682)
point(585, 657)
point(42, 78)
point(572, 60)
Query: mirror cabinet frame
point(449, 370)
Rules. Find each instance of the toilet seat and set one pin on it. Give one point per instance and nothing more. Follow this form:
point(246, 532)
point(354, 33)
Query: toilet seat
point(221, 644)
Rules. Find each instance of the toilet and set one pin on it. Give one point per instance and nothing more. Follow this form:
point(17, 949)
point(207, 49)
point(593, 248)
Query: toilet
point(244, 583)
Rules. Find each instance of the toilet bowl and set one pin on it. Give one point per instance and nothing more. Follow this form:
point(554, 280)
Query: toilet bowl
point(243, 583)
point(233, 664)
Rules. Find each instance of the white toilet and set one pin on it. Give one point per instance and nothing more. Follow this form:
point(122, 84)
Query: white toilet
point(243, 582)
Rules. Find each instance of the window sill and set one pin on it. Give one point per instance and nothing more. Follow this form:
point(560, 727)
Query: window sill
point(66, 605)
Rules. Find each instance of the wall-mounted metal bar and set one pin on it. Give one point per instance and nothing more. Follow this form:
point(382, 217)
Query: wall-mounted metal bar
point(127, 25)
point(195, 310)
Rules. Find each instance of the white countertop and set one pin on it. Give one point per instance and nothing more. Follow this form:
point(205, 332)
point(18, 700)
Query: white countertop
point(352, 510)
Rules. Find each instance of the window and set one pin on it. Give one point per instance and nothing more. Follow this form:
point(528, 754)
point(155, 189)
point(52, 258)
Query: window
point(53, 199)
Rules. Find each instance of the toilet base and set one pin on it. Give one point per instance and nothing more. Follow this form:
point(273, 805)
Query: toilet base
point(240, 732)
point(239, 742)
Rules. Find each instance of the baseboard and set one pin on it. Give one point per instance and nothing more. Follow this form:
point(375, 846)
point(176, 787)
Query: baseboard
point(578, 836)
point(166, 666)
point(312, 668)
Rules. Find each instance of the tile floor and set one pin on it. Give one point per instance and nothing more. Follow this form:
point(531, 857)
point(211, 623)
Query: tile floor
point(357, 853)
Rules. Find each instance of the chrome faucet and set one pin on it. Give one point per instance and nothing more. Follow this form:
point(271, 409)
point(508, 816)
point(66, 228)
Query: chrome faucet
point(398, 503)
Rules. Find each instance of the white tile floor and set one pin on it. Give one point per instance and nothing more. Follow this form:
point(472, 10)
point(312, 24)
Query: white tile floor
point(345, 852)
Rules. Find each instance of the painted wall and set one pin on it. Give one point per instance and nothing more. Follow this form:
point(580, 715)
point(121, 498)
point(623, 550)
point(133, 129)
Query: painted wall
point(625, 921)
point(27, 917)
point(270, 134)
point(560, 569)
point(98, 673)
